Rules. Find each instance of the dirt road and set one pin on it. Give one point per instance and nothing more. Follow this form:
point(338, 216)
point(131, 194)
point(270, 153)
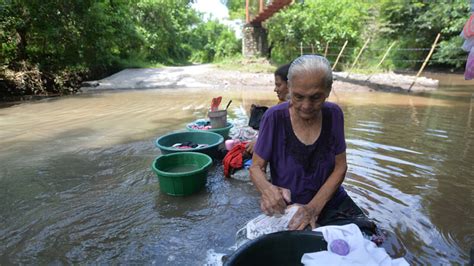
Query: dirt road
point(210, 76)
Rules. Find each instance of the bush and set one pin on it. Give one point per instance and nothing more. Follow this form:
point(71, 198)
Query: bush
point(51, 45)
point(316, 22)
point(216, 41)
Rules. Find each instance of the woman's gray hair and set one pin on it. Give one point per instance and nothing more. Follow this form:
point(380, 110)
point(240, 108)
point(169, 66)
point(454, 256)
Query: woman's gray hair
point(310, 64)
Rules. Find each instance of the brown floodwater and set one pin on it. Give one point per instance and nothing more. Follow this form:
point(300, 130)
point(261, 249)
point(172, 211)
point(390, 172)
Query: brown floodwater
point(77, 186)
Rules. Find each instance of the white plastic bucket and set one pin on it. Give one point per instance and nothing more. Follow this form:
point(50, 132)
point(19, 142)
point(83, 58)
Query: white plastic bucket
point(218, 118)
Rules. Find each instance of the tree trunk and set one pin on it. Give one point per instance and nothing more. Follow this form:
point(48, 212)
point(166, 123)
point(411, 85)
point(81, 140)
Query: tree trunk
point(21, 45)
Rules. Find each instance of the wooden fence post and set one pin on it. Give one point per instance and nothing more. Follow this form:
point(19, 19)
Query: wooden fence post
point(383, 58)
point(301, 48)
point(326, 50)
point(425, 62)
point(339, 56)
point(385, 55)
point(357, 57)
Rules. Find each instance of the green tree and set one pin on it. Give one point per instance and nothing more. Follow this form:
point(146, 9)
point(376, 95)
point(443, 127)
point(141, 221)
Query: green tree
point(56, 34)
point(416, 23)
point(215, 41)
point(166, 28)
point(316, 22)
point(57, 42)
point(236, 9)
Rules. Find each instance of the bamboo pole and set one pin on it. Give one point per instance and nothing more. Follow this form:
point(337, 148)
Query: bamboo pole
point(385, 55)
point(357, 57)
point(301, 48)
point(383, 59)
point(261, 6)
point(326, 50)
point(339, 56)
point(425, 62)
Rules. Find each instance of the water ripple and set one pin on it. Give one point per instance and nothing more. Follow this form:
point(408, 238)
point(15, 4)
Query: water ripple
point(78, 188)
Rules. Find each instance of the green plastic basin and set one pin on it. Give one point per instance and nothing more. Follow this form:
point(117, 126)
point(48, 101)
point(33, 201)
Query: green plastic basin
point(213, 140)
point(224, 131)
point(182, 174)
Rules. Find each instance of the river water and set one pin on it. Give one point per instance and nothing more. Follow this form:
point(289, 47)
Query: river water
point(76, 184)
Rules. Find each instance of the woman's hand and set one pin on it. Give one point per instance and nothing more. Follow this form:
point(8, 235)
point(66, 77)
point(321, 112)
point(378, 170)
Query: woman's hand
point(274, 200)
point(304, 215)
point(249, 146)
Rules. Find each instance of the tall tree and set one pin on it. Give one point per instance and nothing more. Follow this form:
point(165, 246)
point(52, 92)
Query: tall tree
point(416, 23)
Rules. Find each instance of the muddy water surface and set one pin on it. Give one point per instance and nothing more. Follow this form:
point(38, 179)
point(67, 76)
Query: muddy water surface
point(76, 184)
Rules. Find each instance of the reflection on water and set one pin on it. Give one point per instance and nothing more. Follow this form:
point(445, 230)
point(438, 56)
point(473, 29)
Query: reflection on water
point(77, 185)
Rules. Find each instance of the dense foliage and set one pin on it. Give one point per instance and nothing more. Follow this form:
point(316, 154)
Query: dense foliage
point(215, 40)
point(316, 22)
point(57, 38)
point(48, 46)
point(413, 24)
point(416, 23)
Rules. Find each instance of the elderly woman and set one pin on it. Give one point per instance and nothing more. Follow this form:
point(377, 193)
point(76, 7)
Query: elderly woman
point(303, 140)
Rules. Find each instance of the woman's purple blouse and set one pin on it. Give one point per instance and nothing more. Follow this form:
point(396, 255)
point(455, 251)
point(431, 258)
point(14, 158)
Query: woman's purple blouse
point(301, 168)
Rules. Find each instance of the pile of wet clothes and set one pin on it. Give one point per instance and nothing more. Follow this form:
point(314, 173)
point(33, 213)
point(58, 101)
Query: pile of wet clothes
point(188, 145)
point(201, 124)
point(236, 158)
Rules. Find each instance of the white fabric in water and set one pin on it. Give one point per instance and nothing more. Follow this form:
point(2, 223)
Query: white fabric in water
point(264, 224)
point(362, 251)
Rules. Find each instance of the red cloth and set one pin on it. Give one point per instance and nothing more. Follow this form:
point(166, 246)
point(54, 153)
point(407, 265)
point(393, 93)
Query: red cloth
point(234, 158)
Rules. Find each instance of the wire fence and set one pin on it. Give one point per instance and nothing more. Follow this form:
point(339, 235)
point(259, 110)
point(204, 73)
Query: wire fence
point(403, 55)
point(349, 51)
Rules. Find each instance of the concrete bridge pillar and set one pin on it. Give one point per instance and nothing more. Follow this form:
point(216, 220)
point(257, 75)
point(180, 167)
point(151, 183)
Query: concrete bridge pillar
point(254, 41)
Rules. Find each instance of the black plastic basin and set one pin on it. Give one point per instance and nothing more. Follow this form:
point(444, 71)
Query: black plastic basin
point(281, 248)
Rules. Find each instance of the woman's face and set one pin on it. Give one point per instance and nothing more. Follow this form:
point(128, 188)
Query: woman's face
point(281, 88)
point(308, 94)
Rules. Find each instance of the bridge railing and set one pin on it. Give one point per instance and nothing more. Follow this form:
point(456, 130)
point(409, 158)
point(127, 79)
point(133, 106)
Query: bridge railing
point(253, 8)
point(257, 11)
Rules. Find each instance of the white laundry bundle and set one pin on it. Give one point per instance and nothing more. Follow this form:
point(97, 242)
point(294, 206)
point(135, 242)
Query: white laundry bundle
point(264, 224)
point(360, 251)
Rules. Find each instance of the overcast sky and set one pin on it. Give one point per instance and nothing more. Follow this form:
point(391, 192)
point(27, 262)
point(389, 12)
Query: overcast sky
point(213, 8)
